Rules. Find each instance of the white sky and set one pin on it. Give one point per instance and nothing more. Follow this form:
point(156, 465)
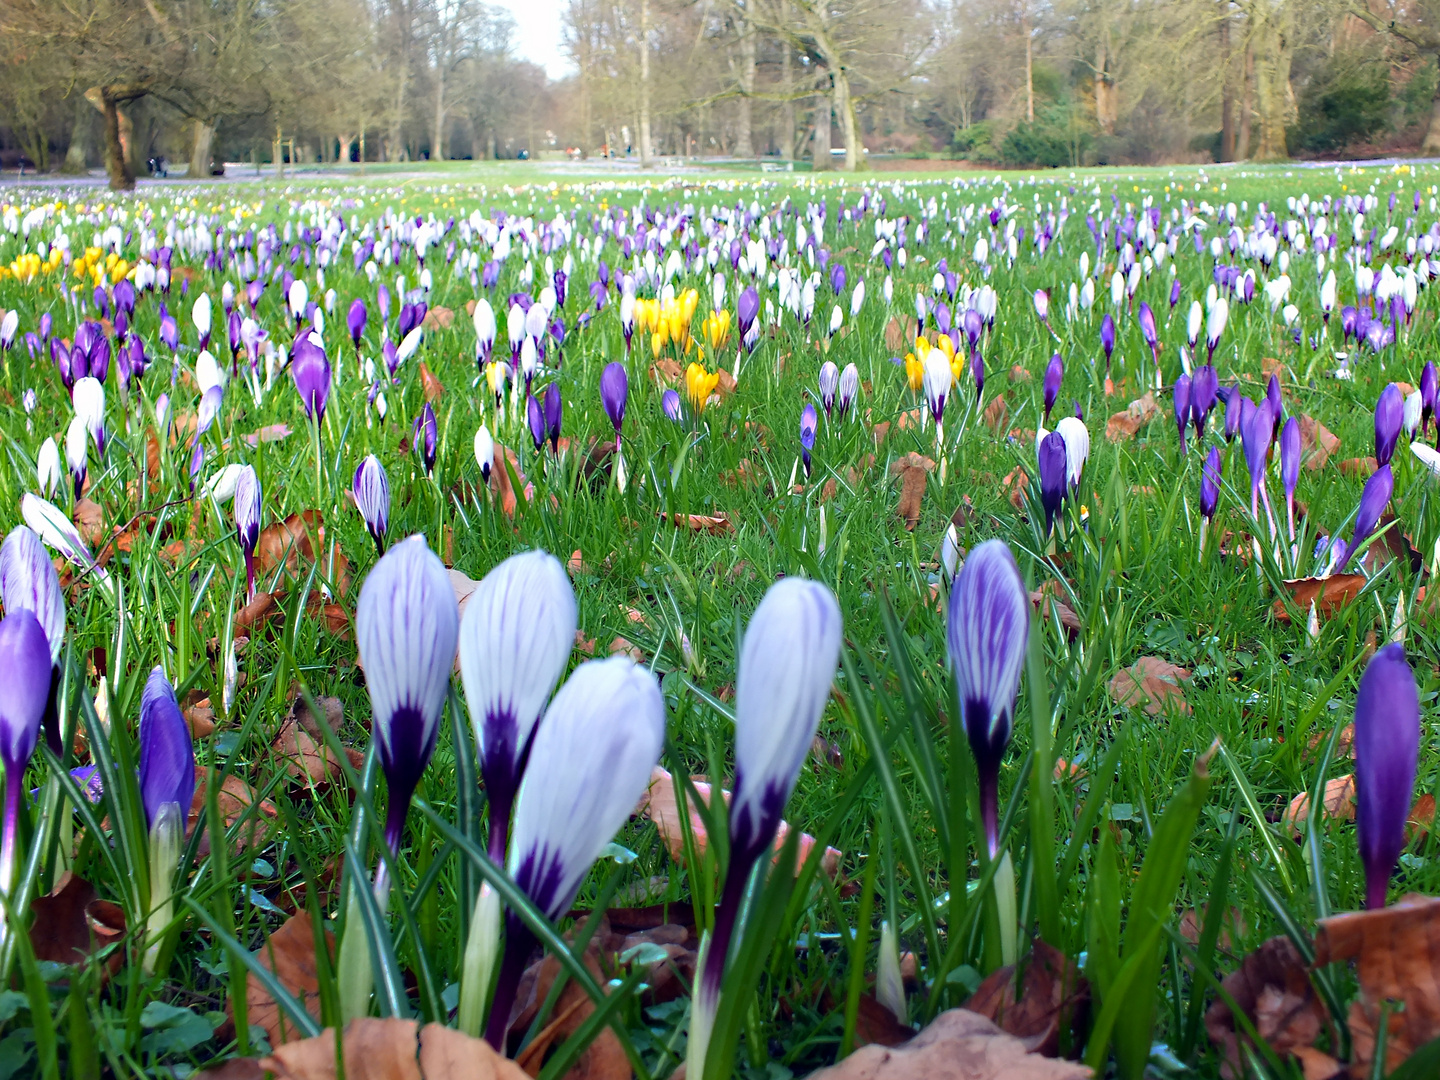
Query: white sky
point(537, 34)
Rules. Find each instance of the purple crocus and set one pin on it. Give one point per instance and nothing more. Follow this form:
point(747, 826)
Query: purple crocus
point(372, 498)
point(1290, 467)
point(1373, 500)
point(747, 309)
point(808, 420)
point(1052, 467)
point(1389, 416)
point(671, 405)
point(310, 368)
point(849, 388)
point(1429, 390)
point(426, 437)
point(247, 521)
point(25, 659)
point(1107, 338)
point(406, 626)
point(829, 383)
point(1234, 411)
point(614, 392)
point(1204, 386)
point(1387, 743)
point(989, 632)
point(1054, 377)
point(355, 319)
point(1277, 405)
point(553, 411)
point(1255, 438)
point(535, 417)
point(1146, 318)
point(1210, 484)
point(167, 755)
point(28, 582)
point(1182, 407)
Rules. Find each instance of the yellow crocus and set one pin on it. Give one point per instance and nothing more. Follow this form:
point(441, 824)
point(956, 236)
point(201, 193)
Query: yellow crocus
point(699, 385)
point(689, 302)
point(119, 271)
point(716, 327)
point(914, 372)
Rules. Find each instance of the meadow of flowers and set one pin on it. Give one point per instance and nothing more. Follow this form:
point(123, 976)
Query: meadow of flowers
point(936, 628)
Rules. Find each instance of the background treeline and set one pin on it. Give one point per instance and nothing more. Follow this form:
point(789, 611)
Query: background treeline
point(1012, 82)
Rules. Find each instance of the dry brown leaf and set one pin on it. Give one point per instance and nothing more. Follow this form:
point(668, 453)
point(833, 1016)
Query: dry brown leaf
point(666, 371)
point(1344, 744)
point(714, 524)
point(447, 1054)
point(296, 544)
point(1337, 802)
point(660, 805)
point(290, 953)
point(1020, 374)
point(1397, 956)
point(900, 334)
point(1053, 994)
point(438, 318)
point(603, 1059)
point(1327, 594)
point(430, 383)
point(1358, 466)
point(500, 480)
point(201, 718)
point(1151, 683)
point(72, 924)
point(914, 471)
point(1317, 442)
point(267, 434)
point(957, 1045)
point(234, 800)
point(1051, 591)
point(1273, 989)
point(89, 519)
point(256, 614)
point(235, 1069)
point(1125, 425)
point(1015, 482)
point(995, 414)
point(1421, 818)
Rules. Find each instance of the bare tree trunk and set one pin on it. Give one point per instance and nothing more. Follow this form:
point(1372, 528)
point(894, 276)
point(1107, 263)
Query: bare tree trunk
point(117, 163)
point(787, 111)
point(1273, 90)
point(1431, 144)
point(821, 160)
point(200, 149)
point(78, 153)
point(1227, 103)
point(1029, 65)
point(849, 129)
point(1247, 104)
point(437, 143)
point(1106, 110)
point(744, 146)
point(644, 124)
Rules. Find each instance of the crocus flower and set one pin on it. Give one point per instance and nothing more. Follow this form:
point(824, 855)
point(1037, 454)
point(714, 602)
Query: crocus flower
point(747, 308)
point(1054, 377)
point(591, 761)
point(310, 368)
point(1204, 386)
point(829, 382)
point(25, 660)
point(1290, 467)
point(1146, 318)
point(484, 452)
point(1215, 326)
point(670, 405)
point(515, 641)
point(355, 319)
point(406, 626)
point(1255, 437)
point(535, 417)
point(989, 631)
point(787, 664)
point(808, 420)
point(1042, 304)
point(937, 383)
point(59, 533)
point(167, 757)
point(425, 436)
point(699, 385)
point(88, 397)
point(1107, 337)
point(1387, 742)
point(200, 316)
point(1210, 484)
point(849, 388)
point(1373, 500)
point(1389, 416)
point(484, 322)
point(1182, 407)
point(77, 452)
point(1234, 412)
point(1052, 467)
point(1429, 391)
point(372, 498)
point(28, 582)
point(47, 467)
point(247, 521)
point(554, 409)
point(1077, 446)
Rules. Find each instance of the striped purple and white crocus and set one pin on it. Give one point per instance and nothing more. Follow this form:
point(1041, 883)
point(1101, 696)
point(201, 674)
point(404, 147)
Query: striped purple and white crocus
point(28, 582)
point(372, 498)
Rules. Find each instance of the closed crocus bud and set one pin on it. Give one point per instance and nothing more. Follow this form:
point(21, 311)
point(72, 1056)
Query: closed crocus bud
point(1107, 337)
point(989, 630)
point(88, 397)
point(670, 405)
point(426, 437)
point(1429, 390)
point(355, 320)
point(406, 625)
point(535, 418)
point(808, 421)
point(1042, 304)
point(1146, 318)
point(1204, 385)
point(515, 641)
point(1387, 743)
point(167, 785)
point(200, 316)
point(590, 763)
point(1215, 326)
point(298, 297)
point(829, 383)
point(483, 320)
point(484, 452)
point(247, 521)
point(1255, 438)
point(1193, 322)
point(1290, 467)
point(1373, 501)
point(1077, 446)
point(57, 531)
point(48, 472)
point(1277, 406)
point(25, 660)
point(77, 452)
point(1414, 408)
point(372, 498)
point(1182, 407)
point(1234, 412)
point(1389, 416)
point(1052, 467)
point(849, 388)
point(1054, 377)
point(28, 582)
point(310, 368)
point(747, 308)
point(1210, 484)
point(614, 391)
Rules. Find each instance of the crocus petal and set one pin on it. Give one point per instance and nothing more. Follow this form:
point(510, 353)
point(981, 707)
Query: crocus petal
point(167, 755)
point(1387, 740)
point(28, 582)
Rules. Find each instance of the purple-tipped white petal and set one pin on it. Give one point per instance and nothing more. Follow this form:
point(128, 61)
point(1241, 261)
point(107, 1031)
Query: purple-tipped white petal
point(28, 582)
point(1077, 446)
point(787, 664)
point(372, 496)
point(592, 759)
point(58, 532)
point(247, 507)
point(988, 635)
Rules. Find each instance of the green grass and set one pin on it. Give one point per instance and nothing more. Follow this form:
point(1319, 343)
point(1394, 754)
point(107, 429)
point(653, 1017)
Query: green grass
point(1262, 687)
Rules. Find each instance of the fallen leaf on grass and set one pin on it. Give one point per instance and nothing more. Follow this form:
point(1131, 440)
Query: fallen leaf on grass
point(900, 333)
point(1396, 951)
point(1053, 994)
point(392, 1049)
point(267, 434)
point(1125, 425)
point(257, 613)
point(666, 372)
point(602, 1059)
point(874, 1023)
point(298, 543)
point(957, 1045)
point(714, 524)
point(200, 717)
point(433, 388)
point(1337, 802)
point(89, 517)
point(438, 318)
point(1020, 374)
point(290, 953)
point(1317, 442)
point(234, 801)
point(1015, 482)
point(1344, 744)
point(1327, 594)
point(1050, 591)
point(1421, 818)
point(914, 471)
point(995, 414)
point(660, 805)
point(500, 480)
point(72, 924)
point(1358, 467)
point(1151, 683)
point(1273, 989)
